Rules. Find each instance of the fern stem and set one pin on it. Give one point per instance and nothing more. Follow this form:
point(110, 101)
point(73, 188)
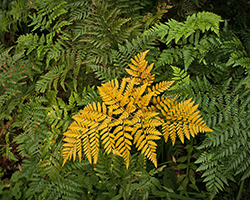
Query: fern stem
point(241, 189)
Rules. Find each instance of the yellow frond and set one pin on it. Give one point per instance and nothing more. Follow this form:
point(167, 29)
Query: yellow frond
point(161, 87)
point(122, 87)
point(152, 132)
point(132, 72)
point(147, 146)
point(138, 92)
point(123, 146)
point(134, 68)
point(135, 129)
point(73, 144)
point(86, 147)
point(130, 107)
point(149, 79)
point(148, 116)
point(66, 154)
point(165, 130)
point(145, 100)
point(130, 87)
point(183, 119)
point(146, 71)
point(164, 104)
point(83, 134)
point(131, 113)
point(140, 70)
point(108, 95)
point(94, 145)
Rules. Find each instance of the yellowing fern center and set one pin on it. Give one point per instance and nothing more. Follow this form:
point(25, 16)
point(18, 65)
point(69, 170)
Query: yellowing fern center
point(134, 112)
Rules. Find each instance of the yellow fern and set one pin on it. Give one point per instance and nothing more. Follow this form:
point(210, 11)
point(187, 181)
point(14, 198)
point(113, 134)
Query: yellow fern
point(132, 113)
point(140, 71)
point(160, 87)
point(183, 119)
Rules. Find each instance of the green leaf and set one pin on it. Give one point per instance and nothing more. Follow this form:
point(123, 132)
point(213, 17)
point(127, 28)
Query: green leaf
point(181, 177)
point(182, 166)
point(116, 197)
point(182, 159)
point(15, 176)
point(168, 189)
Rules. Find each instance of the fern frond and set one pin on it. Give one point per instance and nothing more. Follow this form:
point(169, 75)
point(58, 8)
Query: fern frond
point(143, 138)
point(160, 87)
point(183, 120)
point(83, 132)
point(201, 21)
point(126, 117)
point(104, 74)
point(139, 70)
point(52, 76)
point(239, 58)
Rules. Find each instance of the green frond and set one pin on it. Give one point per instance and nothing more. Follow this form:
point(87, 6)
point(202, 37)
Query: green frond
point(104, 74)
point(103, 30)
point(51, 77)
point(203, 21)
point(225, 110)
point(239, 58)
point(89, 94)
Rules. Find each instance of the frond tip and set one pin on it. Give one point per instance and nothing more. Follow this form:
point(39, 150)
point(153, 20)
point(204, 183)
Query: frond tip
point(139, 70)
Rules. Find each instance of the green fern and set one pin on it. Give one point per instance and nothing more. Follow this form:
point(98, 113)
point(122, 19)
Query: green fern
point(226, 111)
point(103, 30)
point(53, 76)
point(54, 10)
point(89, 94)
point(104, 74)
point(78, 10)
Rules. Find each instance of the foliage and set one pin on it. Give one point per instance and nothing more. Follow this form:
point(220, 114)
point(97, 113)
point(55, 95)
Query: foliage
point(15, 88)
point(217, 65)
point(229, 143)
point(14, 18)
point(55, 54)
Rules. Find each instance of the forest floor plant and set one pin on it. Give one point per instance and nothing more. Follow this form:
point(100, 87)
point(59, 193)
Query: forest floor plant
point(58, 56)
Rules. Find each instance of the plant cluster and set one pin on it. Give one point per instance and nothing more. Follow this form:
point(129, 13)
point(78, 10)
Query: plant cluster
point(77, 82)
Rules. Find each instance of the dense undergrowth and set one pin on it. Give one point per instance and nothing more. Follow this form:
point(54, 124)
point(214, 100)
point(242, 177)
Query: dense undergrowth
point(56, 54)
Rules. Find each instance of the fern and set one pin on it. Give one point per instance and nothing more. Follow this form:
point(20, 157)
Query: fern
point(239, 58)
point(104, 74)
point(79, 10)
point(122, 56)
point(103, 30)
point(13, 17)
point(39, 144)
point(54, 10)
point(52, 76)
point(225, 108)
point(175, 31)
point(125, 117)
point(89, 95)
point(186, 41)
